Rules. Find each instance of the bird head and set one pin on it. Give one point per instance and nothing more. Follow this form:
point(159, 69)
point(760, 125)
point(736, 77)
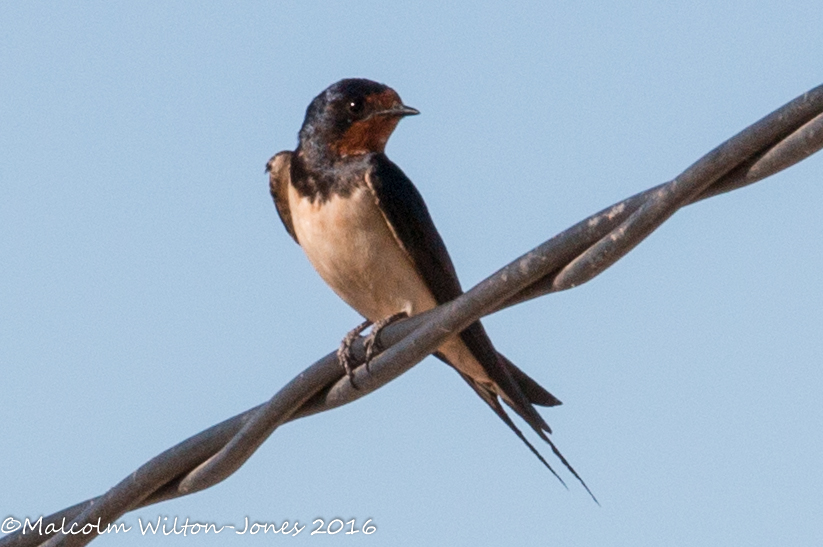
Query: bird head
point(352, 117)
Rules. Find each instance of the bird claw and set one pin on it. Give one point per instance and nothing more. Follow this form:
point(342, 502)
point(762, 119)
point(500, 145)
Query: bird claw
point(372, 341)
point(344, 353)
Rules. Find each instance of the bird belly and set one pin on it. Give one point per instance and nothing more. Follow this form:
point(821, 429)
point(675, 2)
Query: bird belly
point(351, 246)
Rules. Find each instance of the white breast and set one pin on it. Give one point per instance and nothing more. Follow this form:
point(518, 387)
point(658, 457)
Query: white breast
point(351, 246)
point(353, 249)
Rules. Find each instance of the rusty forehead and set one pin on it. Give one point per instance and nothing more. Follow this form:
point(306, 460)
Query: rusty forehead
point(384, 99)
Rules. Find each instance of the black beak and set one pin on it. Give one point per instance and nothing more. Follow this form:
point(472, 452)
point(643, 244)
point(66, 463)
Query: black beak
point(399, 110)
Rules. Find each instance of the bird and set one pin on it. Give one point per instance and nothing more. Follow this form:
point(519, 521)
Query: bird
point(367, 231)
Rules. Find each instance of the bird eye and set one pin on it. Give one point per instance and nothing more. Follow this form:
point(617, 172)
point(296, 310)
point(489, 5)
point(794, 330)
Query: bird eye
point(356, 106)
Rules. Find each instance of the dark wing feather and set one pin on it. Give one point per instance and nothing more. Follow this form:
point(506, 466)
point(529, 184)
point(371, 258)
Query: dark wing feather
point(409, 219)
point(536, 393)
point(279, 169)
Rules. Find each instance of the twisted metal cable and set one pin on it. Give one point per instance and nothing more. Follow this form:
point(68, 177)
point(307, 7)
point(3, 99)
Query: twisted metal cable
point(781, 139)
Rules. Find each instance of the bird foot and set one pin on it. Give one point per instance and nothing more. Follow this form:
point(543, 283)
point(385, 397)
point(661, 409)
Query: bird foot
point(372, 341)
point(344, 353)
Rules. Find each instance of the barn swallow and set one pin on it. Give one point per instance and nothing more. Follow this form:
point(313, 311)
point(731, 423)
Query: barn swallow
point(367, 232)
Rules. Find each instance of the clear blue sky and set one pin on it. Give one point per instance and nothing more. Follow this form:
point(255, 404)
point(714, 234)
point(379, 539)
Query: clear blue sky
point(148, 289)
